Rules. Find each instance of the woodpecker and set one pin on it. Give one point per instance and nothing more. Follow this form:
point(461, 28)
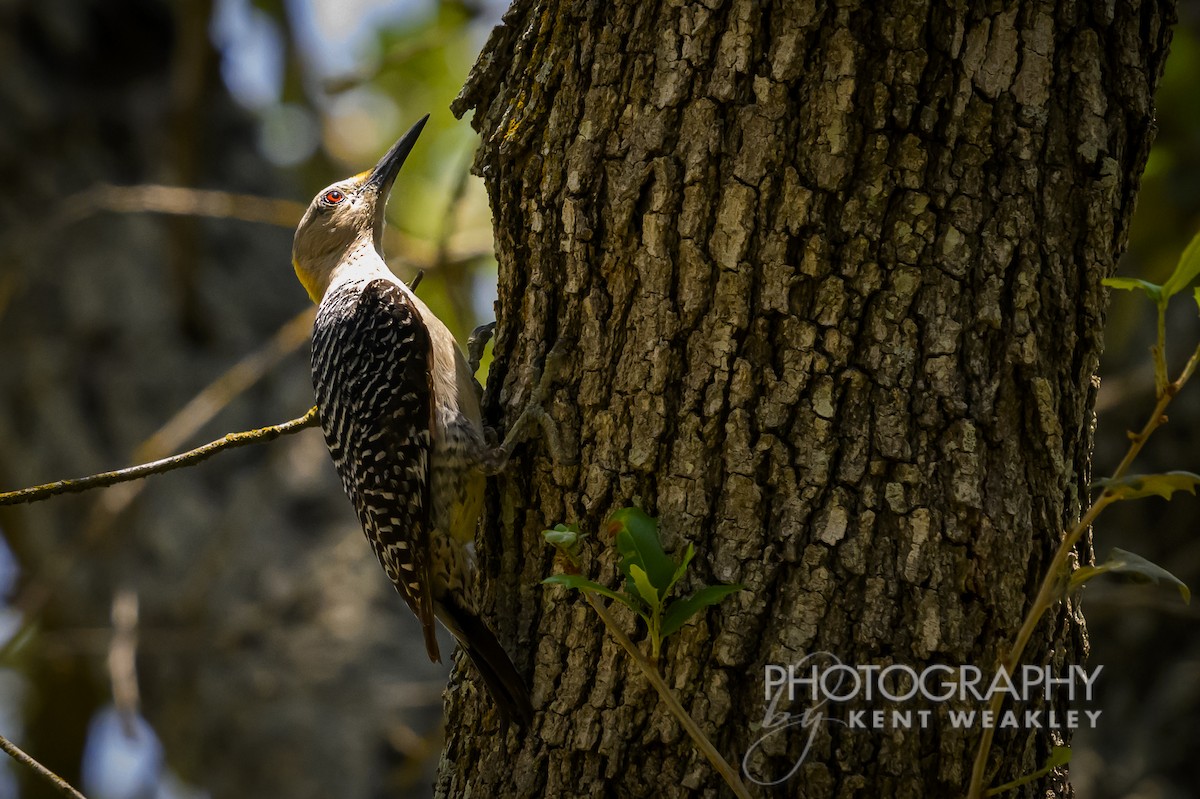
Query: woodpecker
point(399, 407)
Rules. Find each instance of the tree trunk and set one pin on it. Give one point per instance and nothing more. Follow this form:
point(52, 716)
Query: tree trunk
point(831, 276)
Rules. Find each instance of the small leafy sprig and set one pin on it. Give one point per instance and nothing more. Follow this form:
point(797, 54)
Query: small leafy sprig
point(1186, 271)
point(1060, 580)
point(650, 575)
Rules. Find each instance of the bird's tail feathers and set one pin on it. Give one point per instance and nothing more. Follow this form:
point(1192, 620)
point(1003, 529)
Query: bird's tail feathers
point(495, 666)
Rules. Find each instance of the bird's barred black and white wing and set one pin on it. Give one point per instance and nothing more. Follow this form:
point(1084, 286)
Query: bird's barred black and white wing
point(371, 372)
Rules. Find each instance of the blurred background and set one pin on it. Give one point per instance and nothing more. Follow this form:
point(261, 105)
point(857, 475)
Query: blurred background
point(224, 631)
point(157, 155)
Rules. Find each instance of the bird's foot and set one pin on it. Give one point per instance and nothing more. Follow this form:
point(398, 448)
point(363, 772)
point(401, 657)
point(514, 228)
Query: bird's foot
point(477, 342)
point(535, 413)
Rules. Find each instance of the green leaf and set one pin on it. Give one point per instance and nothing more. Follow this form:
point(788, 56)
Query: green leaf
point(688, 554)
point(681, 610)
point(1059, 756)
point(1138, 568)
point(1196, 295)
point(1082, 575)
point(1153, 290)
point(1136, 486)
point(561, 538)
point(1186, 270)
point(646, 591)
point(566, 538)
point(637, 541)
point(581, 583)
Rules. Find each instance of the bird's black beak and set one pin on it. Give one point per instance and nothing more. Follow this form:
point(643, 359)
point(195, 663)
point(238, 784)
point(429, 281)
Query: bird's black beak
point(384, 174)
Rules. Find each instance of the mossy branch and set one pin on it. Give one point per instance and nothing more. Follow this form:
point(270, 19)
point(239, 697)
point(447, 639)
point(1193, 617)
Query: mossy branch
point(201, 453)
point(60, 785)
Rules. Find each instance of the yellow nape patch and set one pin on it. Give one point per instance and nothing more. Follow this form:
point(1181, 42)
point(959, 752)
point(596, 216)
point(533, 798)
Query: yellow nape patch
point(308, 280)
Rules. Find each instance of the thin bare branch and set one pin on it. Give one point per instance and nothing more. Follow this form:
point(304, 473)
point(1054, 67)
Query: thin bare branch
point(188, 202)
point(179, 201)
point(230, 441)
point(61, 785)
point(216, 395)
point(171, 436)
point(122, 659)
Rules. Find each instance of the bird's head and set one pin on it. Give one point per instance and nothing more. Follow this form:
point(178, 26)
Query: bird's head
point(347, 215)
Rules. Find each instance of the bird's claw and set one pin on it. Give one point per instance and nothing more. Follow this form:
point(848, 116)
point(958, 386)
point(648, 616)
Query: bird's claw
point(535, 413)
point(477, 342)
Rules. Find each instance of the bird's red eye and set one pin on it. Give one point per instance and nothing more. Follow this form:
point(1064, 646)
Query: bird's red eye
point(333, 196)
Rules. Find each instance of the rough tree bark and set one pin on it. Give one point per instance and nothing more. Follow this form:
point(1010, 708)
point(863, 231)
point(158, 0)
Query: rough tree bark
point(832, 277)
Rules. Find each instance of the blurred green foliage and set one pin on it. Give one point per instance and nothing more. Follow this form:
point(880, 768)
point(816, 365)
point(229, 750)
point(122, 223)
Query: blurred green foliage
point(1168, 209)
point(410, 66)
